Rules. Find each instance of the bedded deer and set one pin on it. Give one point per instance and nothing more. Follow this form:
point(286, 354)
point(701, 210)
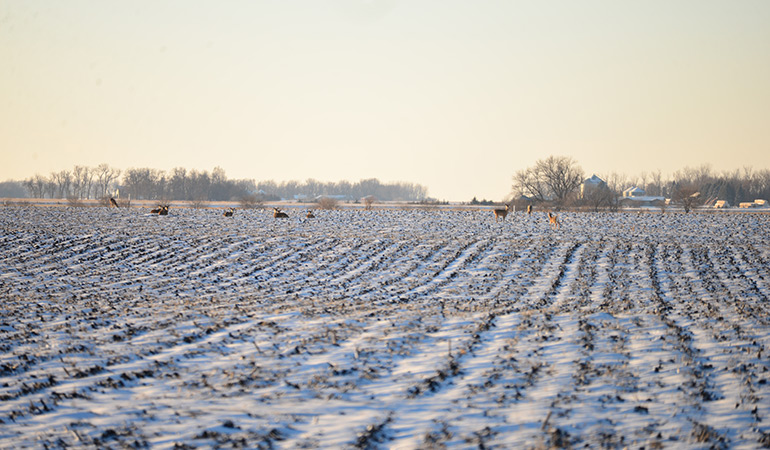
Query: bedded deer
point(161, 210)
point(310, 214)
point(553, 221)
point(501, 213)
point(278, 214)
point(229, 212)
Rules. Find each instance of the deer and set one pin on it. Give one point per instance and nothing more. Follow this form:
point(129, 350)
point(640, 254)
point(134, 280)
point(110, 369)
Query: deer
point(113, 202)
point(501, 213)
point(310, 214)
point(553, 220)
point(278, 214)
point(529, 210)
point(229, 212)
point(161, 210)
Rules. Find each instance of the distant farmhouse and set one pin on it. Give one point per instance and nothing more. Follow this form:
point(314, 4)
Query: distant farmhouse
point(591, 185)
point(635, 197)
point(758, 203)
point(521, 202)
point(634, 192)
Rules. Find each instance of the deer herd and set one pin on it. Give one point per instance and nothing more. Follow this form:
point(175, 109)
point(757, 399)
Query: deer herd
point(162, 210)
point(553, 219)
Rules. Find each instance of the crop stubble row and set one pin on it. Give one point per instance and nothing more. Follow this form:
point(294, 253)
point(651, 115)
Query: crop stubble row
point(444, 328)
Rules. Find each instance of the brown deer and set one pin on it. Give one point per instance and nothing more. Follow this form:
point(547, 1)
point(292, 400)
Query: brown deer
point(553, 221)
point(501, 213)
point(161, 210)
point(310, 214)
point(278, 214)
point(229, 212)
point(529, 210)
point(113, 202)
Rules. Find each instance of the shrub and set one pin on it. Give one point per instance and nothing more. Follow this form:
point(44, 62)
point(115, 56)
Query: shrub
point(327, 203)
point(251, 201)
point(75, 202)
point(369, 201)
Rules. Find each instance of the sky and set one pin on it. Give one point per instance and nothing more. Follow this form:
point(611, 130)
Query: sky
point(454, 95)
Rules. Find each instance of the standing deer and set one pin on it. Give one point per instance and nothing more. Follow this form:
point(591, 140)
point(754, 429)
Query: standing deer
point(113, 202)
point(501, 213)
point(310, 214)
point(553, 220)
point(278, 214)
point(529, 210)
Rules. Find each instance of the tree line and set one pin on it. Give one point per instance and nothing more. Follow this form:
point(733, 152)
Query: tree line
point(555, 180)
point(372, 187)
point(84, 182)
point(558, 179)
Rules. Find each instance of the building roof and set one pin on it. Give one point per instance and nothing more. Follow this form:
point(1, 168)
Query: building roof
point(645, 198)
point(593, 180)
point(633, 192)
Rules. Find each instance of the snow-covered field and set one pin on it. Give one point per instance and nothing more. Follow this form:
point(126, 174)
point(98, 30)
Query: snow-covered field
point(393, 328)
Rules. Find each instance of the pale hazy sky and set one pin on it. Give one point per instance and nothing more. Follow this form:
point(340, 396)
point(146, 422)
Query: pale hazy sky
point(454, 95)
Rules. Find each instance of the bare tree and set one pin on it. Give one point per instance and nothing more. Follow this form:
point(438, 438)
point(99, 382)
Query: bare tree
point(50, 186)
point(704, 174)
point(63, 182)
point(199, 185)
point(76, 187)
point(105, 176)
point(36, 186)
point(178, 183)
point(144, 183)
point(82, 180)
point(616, 182)
point(221, 188)
point(656, 183)
point(528, 182)
point(342, 187)
point(762, 181)
point(688, 195)
point(600, 197)
point(562, 174)
point(555, 177)
point(695, 175)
